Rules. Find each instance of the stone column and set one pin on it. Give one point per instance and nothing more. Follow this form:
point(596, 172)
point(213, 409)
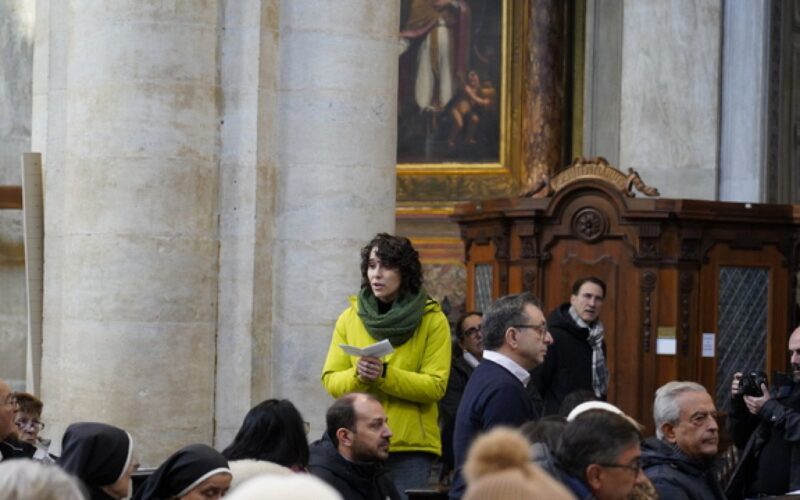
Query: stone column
point(669, 130)
point(544, 124)
point(16, 58)
point(745, 70)
point(131, 232)
point(334, 180)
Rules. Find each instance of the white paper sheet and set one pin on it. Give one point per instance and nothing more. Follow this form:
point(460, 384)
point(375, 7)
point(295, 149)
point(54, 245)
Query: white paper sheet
point(376, 350)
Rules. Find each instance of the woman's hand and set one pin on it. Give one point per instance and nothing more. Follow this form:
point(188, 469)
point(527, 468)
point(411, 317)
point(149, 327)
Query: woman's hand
point(369, 368)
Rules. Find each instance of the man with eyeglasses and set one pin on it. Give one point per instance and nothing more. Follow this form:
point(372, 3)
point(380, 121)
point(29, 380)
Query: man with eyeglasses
point(680, 460)
point(515, 340)
point(467, 354)
point(599, 456)
point(577, 360)
point(10, 446)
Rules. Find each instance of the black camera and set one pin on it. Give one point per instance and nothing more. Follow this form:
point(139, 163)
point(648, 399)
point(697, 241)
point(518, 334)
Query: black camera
point(750, 383)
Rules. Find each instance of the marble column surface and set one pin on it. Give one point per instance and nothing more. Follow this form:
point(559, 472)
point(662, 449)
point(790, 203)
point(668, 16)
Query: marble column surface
point(669, 128)
point(16, 61)
point(130, 303)
point(334, 183)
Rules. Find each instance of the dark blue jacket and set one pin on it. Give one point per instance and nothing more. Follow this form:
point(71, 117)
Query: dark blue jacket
point(676, 476)
point(493, 396)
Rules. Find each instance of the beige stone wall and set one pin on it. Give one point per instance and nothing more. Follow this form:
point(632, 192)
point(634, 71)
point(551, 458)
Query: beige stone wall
point(313, 185)
point(16, 50)
point(669, 127)
point(131, 226)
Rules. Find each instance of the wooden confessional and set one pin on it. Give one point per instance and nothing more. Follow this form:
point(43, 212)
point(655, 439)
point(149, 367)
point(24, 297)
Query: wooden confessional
point(697, 290)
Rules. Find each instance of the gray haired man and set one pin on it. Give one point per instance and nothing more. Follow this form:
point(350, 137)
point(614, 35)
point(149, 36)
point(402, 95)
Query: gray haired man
point(680, 460)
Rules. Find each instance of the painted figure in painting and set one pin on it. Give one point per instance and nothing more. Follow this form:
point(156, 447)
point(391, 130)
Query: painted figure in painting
point(449, 66)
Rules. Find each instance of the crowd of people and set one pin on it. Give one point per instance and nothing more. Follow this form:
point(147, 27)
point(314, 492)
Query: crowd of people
point(512, 405)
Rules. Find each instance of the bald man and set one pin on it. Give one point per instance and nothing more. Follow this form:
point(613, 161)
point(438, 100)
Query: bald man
point(10, 446)
point(767, 429)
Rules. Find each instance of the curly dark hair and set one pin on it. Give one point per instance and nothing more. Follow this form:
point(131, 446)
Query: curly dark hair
point(395, 252)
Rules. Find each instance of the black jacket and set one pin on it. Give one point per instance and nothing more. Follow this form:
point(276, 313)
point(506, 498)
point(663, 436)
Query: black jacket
point(354, 481)
point(13, 448)
point(759, 436)
point(676, 476)
point(568, 364)
point(460, 372)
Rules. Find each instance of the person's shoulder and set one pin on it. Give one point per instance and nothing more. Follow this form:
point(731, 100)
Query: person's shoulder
point(14, 448)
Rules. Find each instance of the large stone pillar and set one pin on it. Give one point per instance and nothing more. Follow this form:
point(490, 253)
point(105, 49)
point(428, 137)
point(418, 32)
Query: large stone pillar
point(743, 129)
point(308, 150)
point(335, 176)
point(131, 233)
point(16, 57)
point(669, 127)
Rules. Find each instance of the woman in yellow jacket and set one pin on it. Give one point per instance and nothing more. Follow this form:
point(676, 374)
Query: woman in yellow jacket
point(393, 305)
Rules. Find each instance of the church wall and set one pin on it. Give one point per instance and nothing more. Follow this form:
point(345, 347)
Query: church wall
point(334, 178)
point(669, 129)
point(131, 303)
point(16, 51)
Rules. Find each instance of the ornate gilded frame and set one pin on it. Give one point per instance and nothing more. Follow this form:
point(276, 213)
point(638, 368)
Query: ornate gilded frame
point(434, 188)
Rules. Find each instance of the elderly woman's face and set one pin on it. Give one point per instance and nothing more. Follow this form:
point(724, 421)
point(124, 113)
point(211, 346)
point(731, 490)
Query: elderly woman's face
point(212, 488)
point(384, 281)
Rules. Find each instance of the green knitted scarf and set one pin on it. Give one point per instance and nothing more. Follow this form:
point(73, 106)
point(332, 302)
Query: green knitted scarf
point(398, 323)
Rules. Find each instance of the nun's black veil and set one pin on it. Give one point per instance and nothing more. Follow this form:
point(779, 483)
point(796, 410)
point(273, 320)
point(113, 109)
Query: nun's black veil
point(182, 472)
point(98, 454)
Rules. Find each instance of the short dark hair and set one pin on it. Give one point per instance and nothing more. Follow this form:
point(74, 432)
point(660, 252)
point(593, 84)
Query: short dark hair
point(460, 323)
point(576, 287)
point(28, 403)
point(546, 430)
point(395, 252)
point(272, 431)
point(595, 437)
point(342, 414)
point(575, 398)
point(504, 313)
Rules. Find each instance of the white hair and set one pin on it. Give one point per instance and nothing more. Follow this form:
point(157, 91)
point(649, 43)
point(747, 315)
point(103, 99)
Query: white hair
point(295, 486)
point(665, 409)
point(25, 479)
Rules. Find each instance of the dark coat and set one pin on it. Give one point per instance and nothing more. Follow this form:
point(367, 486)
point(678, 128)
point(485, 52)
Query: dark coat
point(367, 481)
point(568, 364)
point(493, 396)
point(676, 476)
point(778, 419)
point(460, 372)
point(11, 447)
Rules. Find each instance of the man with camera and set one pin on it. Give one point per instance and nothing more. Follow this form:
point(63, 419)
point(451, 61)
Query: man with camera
point(765, 425)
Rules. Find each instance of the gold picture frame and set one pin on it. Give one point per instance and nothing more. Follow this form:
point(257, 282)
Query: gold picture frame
point(434, 187)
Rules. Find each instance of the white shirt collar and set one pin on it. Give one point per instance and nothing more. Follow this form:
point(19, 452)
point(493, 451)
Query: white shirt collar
point(509, 364)
point(470, 359)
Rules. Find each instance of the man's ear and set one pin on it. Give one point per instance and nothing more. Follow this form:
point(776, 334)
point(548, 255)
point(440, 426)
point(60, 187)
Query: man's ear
point(572, 299)
point(594, 478)
point(345, 436)
point(511, 337)
point(668, 431)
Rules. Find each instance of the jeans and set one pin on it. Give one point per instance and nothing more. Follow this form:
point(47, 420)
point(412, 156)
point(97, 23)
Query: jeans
point(410, 470)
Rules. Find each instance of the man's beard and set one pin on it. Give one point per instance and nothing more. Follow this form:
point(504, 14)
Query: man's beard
point(796, 372)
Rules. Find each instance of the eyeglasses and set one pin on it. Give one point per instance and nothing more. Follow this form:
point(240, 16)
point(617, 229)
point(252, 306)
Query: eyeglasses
point(29, 424)
point(540, 329)
point(469, 332)
point(635, 466)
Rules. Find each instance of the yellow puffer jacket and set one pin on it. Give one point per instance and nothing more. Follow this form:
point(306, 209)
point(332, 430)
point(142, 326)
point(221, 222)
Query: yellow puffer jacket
point(415, 379)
